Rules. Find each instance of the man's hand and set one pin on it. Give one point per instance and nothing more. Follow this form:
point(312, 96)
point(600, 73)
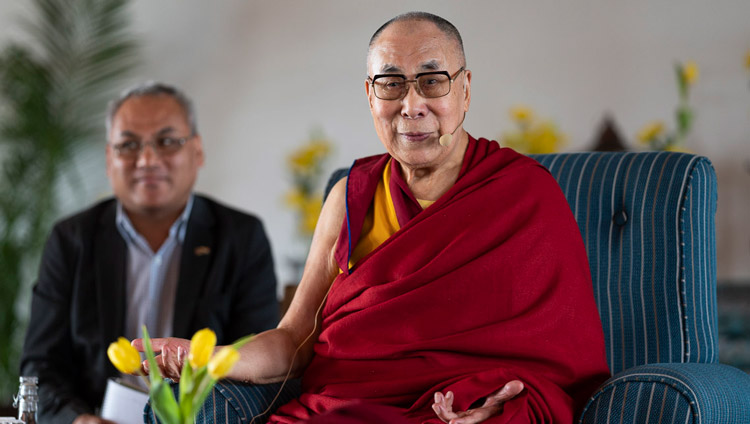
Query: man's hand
point(91, 419)
point(443, 405)
point(172, 355)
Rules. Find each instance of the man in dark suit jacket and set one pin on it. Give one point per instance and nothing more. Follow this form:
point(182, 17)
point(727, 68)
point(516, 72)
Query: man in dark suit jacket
point(155, 254)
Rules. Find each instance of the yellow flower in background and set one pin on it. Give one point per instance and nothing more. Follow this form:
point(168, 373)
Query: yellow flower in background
point(690, 72)
point(650, 132)
point(124, 356)
point(675, 148)
point(306, 166)
point(221, 363)
point(295, 198)
point(655, 134)
point(302, 161)
point(201, 347)
point(546, 139)
point(521, 114)
point(320, 147)
point(533, 136)
point(747, 60)
point(307, 158)
point(310, 211)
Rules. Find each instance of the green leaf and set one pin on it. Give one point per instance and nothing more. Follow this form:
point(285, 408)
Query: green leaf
point(682, 85)
point(164, 404)
point(684, 116)
point(187, 389)
point(203, 389)
point(162, 398)
point(153, 368)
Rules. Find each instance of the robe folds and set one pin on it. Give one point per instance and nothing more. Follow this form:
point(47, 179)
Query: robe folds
point(487, 285)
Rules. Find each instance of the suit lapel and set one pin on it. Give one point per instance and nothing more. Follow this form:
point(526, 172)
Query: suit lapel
point(197, 253)
point(110, 268)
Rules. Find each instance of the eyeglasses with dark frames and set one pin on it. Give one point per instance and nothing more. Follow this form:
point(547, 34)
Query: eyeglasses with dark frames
point(163, 146)
point(428, 84)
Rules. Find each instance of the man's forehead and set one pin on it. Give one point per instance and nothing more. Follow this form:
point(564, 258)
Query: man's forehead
point(153, 113)
point(420, 46)
point(393, 68)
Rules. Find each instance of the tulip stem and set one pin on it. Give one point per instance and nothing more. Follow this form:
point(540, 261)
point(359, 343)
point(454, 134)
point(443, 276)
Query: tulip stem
point(145, 378)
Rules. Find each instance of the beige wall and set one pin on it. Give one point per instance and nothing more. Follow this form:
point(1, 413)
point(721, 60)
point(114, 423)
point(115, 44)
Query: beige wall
point(264, 73)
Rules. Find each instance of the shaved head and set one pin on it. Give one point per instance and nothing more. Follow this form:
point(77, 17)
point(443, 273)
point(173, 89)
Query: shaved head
point(443, 25)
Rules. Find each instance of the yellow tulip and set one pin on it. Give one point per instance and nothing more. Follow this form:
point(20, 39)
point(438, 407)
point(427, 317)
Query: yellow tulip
point(650, 132)
point(124, 356)
point(201, 347)
point(222, 362)
point(690, 72)
point(521, 114)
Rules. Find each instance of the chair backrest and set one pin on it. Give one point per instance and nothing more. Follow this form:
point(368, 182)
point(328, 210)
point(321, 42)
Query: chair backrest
point(647, 220)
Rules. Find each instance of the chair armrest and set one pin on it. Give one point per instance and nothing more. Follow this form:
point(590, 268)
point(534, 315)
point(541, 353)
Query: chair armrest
point(673, 392)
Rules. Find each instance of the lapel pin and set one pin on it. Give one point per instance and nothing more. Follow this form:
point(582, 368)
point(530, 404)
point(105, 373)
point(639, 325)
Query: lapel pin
point(202, 251)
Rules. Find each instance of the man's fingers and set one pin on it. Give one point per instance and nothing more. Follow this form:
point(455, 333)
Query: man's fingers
point(477, 415)
point(508, 392)
point(443, 405)
point(442, 408)
point(511, 390)
point(137, 344)
point(156, 344)
point(166, 353)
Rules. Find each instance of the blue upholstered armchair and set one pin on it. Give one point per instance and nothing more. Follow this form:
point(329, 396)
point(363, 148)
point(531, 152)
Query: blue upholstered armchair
point(647, 220)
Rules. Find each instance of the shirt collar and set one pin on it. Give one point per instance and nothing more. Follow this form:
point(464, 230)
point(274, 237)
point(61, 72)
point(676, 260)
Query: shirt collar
point(177, 230)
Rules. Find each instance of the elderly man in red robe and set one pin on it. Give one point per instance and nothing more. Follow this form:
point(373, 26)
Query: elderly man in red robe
point(447, 279)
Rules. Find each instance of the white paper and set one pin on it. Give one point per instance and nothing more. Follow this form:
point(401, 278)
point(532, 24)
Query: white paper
point(10, 420)
point(123, 404)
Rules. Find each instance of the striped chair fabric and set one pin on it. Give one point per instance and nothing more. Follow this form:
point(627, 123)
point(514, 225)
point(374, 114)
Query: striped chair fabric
point(647, 220)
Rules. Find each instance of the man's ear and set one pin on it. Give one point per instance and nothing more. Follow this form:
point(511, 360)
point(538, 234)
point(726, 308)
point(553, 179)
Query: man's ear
point(108, 159)
point(201, 157)
point(467, 90)
point(368, 87)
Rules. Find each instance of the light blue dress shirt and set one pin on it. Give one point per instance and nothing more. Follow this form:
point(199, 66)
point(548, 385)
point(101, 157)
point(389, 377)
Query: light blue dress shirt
point(151, 276)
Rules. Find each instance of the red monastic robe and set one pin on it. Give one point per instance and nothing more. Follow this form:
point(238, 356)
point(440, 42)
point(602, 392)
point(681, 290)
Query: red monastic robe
point(487, 285)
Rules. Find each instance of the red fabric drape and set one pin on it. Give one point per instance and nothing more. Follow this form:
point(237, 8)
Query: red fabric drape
point(489, 284)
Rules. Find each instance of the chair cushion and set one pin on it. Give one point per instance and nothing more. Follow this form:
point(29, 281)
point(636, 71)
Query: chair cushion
point(672, 393)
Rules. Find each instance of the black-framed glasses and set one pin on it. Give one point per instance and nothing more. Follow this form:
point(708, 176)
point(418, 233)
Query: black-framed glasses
point(428, 84)
point(163, 146)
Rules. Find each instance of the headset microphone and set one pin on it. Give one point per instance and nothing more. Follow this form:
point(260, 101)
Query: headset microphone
point(446, 139)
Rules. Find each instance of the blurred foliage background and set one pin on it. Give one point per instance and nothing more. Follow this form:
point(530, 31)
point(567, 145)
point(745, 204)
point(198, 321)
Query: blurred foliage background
point(54, 88)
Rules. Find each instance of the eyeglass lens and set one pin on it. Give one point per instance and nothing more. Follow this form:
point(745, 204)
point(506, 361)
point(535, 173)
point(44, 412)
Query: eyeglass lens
point(429, 85)
point(163, 146)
